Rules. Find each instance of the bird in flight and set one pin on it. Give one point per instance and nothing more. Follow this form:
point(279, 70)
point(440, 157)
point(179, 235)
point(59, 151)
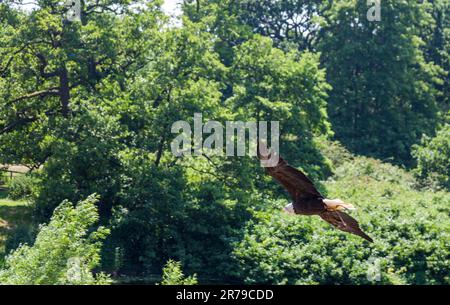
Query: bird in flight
point(307, 200)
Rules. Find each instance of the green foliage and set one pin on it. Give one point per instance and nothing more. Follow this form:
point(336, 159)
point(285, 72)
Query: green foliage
point(333, 151)
point(438, 48)
point(20, 234)
point(65, 251)
point(384, 95)
point(84, 159)
point(22, 187)
point(16, 224)
point(389, 77)
point(279, 20)
point(433, 159)
point(410, 229)
point(91, 104)
point(173, 275)
point(49, 65)
point(153, 206)
point(272, 85)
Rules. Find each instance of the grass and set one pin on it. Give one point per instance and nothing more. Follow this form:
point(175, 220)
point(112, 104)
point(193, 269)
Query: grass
point(11, 203)
point(12, 214)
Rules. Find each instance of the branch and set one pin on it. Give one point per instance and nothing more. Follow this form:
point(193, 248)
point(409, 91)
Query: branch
point(44, 64)
point(8, 63)
point(17, 123)
point(3, 70)
point(21, 122)
point(49, 91)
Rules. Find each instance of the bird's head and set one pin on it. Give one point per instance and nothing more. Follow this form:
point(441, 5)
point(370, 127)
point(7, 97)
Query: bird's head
point(289, 209)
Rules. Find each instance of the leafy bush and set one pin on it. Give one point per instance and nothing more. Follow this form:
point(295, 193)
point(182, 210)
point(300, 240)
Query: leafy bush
point(433, 159)
point(84, 160)
point(160, 215)
point(3, 176)
point(22, 187)
point(173, 275)
point(65, 251)
point(334, 151)
point(368, 168)
point(410, 229)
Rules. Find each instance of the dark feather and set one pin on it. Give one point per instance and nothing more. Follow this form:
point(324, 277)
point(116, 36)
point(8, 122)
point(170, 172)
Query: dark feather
point(344, 222)
point(295, 182)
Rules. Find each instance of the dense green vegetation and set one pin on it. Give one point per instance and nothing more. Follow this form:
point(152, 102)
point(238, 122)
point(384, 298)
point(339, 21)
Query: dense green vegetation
point(64, 252)
point(433, 159)
point(173, 275)
point(88, 106)
point(15, 223)
point(410, 226)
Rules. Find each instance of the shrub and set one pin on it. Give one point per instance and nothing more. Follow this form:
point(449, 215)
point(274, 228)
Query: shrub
point(65, 251)
point(334, 151)
point(173, 275)
point(368, 168)
point(3, 176)
point(22, 187)
point(433, 159)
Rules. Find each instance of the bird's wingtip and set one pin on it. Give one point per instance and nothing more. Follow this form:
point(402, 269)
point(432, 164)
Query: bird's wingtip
point(366, 237)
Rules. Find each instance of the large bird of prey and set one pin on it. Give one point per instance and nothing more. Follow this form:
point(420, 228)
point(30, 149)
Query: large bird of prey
point(307, 200)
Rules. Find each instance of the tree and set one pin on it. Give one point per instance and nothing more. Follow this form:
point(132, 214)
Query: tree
point(66, 250)
point(384, 94)
point(287, 22)
point(433, 159)
point(438, 49)
point(49, 65)
point(83, 158)
point(386, 76)
point(269, 84)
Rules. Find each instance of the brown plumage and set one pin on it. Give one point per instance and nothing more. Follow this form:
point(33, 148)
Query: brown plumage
point(307, 200)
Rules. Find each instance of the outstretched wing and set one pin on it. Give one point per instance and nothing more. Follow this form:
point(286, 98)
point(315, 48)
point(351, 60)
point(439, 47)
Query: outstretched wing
point(293, 180)
point(344, 222)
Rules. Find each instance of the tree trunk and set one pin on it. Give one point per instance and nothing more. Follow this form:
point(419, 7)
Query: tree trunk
point(64, 92)
point(160, 149)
